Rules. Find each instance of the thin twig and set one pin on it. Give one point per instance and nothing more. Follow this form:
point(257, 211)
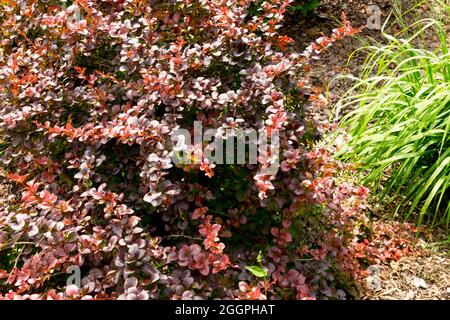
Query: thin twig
point(14, 243)
point(309, 259)
point(17, 260)
point(182, 236)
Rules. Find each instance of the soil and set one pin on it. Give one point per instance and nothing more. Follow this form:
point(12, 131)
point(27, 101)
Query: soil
point(424, 277)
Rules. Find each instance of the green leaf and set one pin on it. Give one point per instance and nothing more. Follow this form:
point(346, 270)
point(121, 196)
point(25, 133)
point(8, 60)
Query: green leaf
point(257, 271)
point(71, 236)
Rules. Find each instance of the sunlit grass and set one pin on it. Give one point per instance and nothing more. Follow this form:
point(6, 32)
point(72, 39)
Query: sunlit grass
point(400, 123)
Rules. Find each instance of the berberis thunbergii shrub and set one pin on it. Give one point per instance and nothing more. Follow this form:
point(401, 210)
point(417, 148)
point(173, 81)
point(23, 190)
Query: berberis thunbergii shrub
point(91, 96)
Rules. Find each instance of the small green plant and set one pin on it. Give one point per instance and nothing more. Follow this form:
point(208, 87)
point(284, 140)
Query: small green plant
point(258, 271)
point(305, 8)
point(400, 125)
point(302, 7)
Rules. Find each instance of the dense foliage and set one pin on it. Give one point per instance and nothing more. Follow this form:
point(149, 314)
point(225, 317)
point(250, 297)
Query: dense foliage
point(88, 106)
point(400, 127)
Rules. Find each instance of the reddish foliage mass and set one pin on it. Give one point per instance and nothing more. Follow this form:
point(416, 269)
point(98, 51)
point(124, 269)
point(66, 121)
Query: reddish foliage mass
point(89, 97)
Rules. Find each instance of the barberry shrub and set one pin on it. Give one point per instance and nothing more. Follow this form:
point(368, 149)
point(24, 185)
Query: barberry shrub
point(91, 95)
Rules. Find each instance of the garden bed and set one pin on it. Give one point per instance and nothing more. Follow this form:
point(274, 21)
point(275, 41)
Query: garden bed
point(92, 185)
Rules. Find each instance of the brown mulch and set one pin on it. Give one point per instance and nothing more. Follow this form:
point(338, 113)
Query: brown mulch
point(425, 277)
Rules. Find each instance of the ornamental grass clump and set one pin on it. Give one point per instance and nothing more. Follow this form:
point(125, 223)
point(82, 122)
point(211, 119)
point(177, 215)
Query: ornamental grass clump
point(400, 124)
